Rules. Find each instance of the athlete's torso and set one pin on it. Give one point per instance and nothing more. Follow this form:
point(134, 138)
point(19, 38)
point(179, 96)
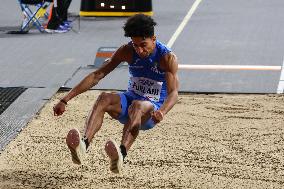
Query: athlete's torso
point(146, 78)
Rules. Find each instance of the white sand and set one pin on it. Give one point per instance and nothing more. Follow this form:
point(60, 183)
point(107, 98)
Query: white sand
point(206, 141)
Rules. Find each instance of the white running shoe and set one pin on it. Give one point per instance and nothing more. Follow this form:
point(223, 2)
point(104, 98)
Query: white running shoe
point(49, 30)
point(115, 156)
point(76, 146)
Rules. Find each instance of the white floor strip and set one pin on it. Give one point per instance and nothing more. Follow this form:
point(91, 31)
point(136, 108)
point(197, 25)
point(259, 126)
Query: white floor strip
point(280, 89)
point(183, 23)
point(229, 67)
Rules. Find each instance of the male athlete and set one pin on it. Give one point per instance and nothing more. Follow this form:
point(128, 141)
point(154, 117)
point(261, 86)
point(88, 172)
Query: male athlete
point(152, 92)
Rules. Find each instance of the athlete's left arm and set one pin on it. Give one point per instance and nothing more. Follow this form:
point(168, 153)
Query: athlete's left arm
point(169, 64)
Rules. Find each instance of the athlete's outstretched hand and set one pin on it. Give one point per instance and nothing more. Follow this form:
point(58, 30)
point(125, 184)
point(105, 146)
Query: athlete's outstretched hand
point(157, 116)
point(59, 108)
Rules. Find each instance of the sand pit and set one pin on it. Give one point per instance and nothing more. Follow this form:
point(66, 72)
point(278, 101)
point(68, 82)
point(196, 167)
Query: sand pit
point(206, 141)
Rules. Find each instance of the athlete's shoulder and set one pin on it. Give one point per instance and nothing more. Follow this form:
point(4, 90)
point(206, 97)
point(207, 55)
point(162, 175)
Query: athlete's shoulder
point(123, 53)
point(169, 62)
point(124, 49)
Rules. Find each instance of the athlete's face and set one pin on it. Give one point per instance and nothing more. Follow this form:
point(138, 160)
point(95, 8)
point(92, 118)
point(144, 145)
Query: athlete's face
point(144, 46)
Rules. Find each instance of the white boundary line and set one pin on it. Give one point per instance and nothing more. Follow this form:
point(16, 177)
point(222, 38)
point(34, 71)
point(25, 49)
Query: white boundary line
point(230, 67)
point(280, 88)
point(183, 23)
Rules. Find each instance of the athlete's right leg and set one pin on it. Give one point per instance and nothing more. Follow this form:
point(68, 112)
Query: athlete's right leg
point(106, 102)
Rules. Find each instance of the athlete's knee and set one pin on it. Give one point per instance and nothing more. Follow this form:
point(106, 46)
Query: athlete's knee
point(103, 100)
point(135, 107)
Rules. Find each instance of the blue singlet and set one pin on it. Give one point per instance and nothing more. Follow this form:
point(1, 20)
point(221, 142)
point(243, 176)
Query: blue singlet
point(147, 82)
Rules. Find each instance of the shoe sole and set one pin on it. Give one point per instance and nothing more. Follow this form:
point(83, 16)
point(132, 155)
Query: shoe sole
point(115, 156)
point(73, 141)
point(50, 31)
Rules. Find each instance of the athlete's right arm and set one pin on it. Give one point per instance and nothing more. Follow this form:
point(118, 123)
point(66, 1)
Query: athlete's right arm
point(92, 79)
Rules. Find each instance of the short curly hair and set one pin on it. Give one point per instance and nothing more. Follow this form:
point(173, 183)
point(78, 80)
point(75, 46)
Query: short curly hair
point(139, 25)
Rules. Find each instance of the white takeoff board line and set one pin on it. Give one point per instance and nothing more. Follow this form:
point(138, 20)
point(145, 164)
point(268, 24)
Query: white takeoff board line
point(229, 67)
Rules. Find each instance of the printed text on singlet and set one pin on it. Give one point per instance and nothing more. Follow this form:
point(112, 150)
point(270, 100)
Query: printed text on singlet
point(145, 87)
